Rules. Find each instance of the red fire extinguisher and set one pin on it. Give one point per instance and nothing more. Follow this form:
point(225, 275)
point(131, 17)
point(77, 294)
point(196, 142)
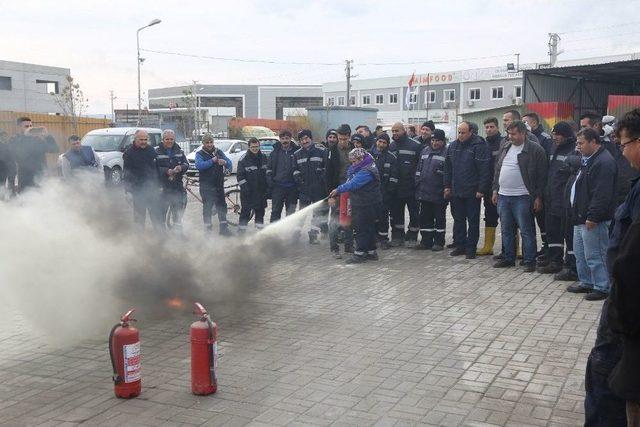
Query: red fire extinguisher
point(124, 350)
point(204, 353)
point(345, 210)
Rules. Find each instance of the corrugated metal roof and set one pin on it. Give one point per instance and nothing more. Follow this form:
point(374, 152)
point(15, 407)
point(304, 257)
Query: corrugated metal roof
point(619, 72)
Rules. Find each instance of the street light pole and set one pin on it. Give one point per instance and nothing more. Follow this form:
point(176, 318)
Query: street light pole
point(154, 22)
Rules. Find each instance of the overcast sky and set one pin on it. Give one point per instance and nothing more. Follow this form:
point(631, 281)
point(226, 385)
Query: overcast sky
point(97, 40)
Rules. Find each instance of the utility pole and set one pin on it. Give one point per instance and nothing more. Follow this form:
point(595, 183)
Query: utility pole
point(195, 110)
point(347, 69)
point(554, 40)
point(113, 112)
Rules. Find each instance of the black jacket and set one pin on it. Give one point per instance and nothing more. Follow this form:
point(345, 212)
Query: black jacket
point(164, 162)
point(281, 166)
point(140, 168)
point(466, 168)
point(626, 174)
point(252, 179)
point(544, 139)
point(595, 189)
point(29, 154)
point(7, 164)
point(308, 173)
point(333, 167)
point(389, 170)
point(533, 165)
point(494, 143)
point(408, 153)
point(558, 174)
point(430, 175)
point(423, 141)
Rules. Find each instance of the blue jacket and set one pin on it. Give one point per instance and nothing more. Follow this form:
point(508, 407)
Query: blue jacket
point(169, 159)
point(308, 173)
point(466, 167)
point(211, 173)
point(430, 175)
point(595, 188)
point(408, 153)
point(363, 184)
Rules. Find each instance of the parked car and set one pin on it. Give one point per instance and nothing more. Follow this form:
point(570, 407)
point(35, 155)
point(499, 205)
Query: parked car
point(234, 149)
point(267, 143)
point(110, 143)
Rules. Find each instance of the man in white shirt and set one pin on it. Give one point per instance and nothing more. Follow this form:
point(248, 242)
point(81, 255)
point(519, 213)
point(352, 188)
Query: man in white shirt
point(518, 185)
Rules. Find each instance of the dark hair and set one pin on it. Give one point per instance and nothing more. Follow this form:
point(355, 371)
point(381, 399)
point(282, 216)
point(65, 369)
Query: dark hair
point(23, 119)
point(534, 116)
point(630, 122)
point(253, 141)
point(74, 138)
point(515, 114)
point(589, 134)
point(491, 120)
point(365, 127)
point(473, 127)
point(285, 132)
point(518, 125)
point(593, 118)
point(378, 127)
point(344, 129)
point(412, 128)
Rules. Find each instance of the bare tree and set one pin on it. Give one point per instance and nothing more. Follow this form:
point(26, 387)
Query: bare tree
point(71, 101)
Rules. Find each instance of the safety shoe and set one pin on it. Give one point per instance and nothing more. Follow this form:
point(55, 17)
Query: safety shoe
point(579, 289)
point(373, 256)
point(421, 247)
point(384, 245)
point(529, 267)
point(356, 259)
point(336, 254)
point(542, 260)
point(596, 295)
point(566, 275)
point(504, 264)
point(551, 268)
point(397, 243)
point(498, 257)
point(451, 245)
point(458, 252)
point(437, 248)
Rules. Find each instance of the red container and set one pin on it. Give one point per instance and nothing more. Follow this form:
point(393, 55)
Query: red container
point(345, 210)
point(619, 105)
point(552, 112)
point(204, 354)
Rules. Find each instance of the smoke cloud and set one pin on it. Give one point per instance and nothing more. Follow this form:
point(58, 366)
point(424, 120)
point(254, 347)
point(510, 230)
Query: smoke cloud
point(71, 261)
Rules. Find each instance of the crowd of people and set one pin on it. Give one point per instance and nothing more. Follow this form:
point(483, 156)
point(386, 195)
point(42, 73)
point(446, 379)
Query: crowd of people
point(578, 186)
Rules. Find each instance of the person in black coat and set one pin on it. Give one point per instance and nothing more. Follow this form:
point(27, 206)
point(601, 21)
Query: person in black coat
point(172, 164)
point(7, 166)
point(140, 178)
point(426, 132)
point(408, 153)
point(389, 169)
point(282, 186)
point(252, 178)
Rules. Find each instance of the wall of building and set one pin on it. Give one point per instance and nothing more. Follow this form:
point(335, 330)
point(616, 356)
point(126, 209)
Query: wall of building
point(19, 90)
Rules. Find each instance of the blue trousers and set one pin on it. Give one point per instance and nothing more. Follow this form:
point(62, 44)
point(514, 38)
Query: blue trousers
point(517, 211)
point(466, 210)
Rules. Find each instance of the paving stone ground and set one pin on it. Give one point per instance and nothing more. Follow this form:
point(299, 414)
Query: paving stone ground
point(417, 338)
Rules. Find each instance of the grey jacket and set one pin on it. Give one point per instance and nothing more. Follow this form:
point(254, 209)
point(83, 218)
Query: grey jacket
point(533, 167)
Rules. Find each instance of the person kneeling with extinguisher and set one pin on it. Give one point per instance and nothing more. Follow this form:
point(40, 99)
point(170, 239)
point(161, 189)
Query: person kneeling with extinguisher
point(363, 185)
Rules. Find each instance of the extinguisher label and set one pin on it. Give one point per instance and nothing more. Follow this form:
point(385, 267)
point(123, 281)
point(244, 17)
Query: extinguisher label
point(131, 353)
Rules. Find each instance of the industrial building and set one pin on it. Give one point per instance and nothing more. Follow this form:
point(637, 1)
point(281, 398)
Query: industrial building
point(28, 87)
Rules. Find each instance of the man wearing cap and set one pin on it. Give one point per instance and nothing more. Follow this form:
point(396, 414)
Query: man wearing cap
point(426, 130)
point(280, 177)
point(430, 193)
point(466, 178)
point(331, 138)
point(389, 169)
point(211, 161)
point(337, 165)
point(363, 185)
point(408, 153)
point(309, 175)
point(559, 227)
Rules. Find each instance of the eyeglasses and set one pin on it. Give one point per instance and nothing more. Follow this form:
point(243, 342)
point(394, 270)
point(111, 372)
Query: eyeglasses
point(622, 145)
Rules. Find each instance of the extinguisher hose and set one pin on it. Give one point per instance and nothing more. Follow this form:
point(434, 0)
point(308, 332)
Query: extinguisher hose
point(116, 378)
point(212, 371)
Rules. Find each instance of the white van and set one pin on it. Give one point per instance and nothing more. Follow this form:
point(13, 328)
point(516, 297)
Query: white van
point(110, 143)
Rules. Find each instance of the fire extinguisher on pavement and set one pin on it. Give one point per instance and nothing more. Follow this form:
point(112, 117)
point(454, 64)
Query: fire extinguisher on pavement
point(204, 353)
point(124, 350)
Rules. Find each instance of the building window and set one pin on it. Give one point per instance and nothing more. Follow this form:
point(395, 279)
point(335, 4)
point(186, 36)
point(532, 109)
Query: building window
point(474, 94)
point(5, 83)
point(517, 91)
point(413, 97)
point(430, 97)
point(352, 100)
point(341, 100)
point(393, 98)
point(449, 95)
point(331, 101)
point(49, 86)
point(366, 100)
point(379, 99)
point(497, 92)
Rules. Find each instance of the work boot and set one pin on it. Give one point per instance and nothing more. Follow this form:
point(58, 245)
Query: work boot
point(596, 295)
point(504, 264)
point(458, 252)
point(421, 247)
point(470, 256)
point(356, 259)
point(489, 241)
point(384, 245)
point(579, 288)
point(451, 246)
point(397, 243)
point(498, 257)
point(542, 260)
point(566, 275)
point(373, 256)
point(529, 267)
point(437, 248)
point(551, 268)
